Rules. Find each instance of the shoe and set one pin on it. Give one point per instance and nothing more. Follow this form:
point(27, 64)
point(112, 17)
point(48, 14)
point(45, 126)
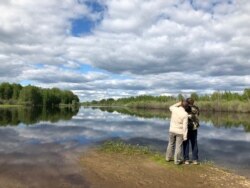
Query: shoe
point(168, 160)
point(177, 162)
point(195, 162)
point(186, 162)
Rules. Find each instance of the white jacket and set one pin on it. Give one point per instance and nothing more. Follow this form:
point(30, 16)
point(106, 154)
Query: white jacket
point(179, 120)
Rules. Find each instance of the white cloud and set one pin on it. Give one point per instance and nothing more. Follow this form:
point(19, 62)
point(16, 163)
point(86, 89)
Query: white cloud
point(161, 46)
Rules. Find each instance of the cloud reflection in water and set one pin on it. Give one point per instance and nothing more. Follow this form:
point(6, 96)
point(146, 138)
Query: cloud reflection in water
point(227, 146)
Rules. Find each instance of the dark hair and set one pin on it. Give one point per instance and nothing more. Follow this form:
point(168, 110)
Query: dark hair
point(190, 101)
point(185, 104)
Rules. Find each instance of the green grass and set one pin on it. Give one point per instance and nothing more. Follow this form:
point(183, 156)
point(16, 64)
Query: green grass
point(137, 150)
point(213, 106)
point(128, 149)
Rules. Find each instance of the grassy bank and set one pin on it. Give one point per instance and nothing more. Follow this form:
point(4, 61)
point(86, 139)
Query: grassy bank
point(137, 150)
point(218, 101)
point(117, 164)
point(127, 149)
point(224, 106)
point(213, 106)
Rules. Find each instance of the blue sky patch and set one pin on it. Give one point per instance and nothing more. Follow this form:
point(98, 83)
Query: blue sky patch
point(85, 25)
point(39, 65)
point(27, 82)
point(81, 26)
point(85, 68)
point(95, 6)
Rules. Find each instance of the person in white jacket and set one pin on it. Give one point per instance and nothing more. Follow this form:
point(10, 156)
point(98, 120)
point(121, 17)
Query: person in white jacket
point(177, 131)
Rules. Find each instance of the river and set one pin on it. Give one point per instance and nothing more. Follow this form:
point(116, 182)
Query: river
point(40, 145)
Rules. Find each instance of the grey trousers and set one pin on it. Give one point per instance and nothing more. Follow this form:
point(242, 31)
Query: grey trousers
point(174, 149)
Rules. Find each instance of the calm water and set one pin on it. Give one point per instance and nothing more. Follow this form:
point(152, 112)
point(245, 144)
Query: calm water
point(45, 139)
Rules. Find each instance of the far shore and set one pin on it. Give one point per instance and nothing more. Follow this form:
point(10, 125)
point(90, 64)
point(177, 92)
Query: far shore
point(205, 106)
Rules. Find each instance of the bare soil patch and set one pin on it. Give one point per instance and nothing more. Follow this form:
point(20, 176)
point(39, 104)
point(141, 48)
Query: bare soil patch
point(104, 169)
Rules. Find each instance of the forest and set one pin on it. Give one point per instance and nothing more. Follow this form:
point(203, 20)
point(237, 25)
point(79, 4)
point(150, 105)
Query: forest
point(16, 94)
point(218, 101)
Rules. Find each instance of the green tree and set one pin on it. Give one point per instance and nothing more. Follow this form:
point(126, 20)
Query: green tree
point(6, 91)
point(195, 96)
point(16, 91)
point(216, 96)
point(30, 95)
point(246, 94)
point(180, 97)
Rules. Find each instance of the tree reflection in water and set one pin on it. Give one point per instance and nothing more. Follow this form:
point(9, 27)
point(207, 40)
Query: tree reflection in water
point(31, 115)
point(217, 119)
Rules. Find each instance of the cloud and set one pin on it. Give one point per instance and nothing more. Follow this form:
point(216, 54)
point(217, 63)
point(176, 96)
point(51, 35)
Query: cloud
point(159, 46)
point(183, 39)
point(53, 75)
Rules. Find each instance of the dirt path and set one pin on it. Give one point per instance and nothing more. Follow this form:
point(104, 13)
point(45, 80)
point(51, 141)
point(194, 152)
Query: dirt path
point(118, 170)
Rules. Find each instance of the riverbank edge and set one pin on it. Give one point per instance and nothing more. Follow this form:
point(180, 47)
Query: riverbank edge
point(206, 106)
point(121, 156)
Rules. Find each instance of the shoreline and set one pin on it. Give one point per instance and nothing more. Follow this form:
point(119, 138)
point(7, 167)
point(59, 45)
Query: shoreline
point(126, 167)
point(204, 106)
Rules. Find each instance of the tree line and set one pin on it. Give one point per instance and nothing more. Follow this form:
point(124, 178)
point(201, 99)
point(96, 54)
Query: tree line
point(35, 96)
point(221, 96)
point(218, 101)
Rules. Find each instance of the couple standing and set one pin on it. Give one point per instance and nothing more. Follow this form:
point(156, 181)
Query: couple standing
point(183, 130)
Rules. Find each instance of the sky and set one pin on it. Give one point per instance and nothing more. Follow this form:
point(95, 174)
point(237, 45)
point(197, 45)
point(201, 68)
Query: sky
point(120, 48)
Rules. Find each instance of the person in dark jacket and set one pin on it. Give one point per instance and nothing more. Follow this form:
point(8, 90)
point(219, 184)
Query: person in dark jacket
point(193, 124)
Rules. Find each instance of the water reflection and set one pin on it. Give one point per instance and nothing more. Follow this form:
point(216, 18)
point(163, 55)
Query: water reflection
point(223, 138)
point(228, 146)
point(218, 119)
point(29, 115)
point(227, 120)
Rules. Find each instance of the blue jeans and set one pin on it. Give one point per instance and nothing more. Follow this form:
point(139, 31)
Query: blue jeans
point(191, 138)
